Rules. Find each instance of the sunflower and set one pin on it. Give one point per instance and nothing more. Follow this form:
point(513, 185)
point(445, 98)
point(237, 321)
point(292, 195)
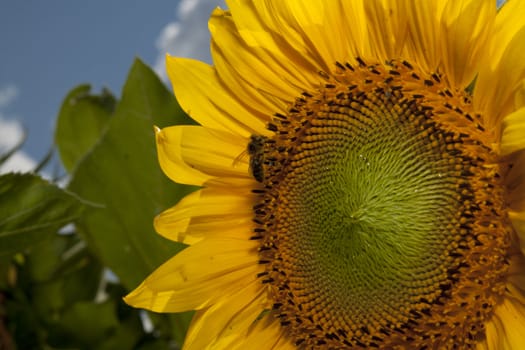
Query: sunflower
point(362, 167)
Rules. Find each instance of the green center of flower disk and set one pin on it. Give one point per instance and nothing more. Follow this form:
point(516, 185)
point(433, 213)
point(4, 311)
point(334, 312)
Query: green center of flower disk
point(380, 213)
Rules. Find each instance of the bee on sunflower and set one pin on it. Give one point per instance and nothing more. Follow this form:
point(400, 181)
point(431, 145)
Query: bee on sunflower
point(384, 203)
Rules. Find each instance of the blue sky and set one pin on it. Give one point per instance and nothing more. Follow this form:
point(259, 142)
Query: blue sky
point(48, 47)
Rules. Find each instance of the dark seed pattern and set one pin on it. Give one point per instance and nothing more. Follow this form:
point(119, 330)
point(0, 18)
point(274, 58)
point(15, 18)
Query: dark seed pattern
point(455, 298)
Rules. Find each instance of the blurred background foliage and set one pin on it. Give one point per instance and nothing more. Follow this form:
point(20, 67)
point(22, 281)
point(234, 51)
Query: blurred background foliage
point(71, 248)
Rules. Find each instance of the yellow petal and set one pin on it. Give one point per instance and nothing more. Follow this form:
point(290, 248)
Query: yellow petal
point(466, 26)
point(309, 19)
point(516, 277)
point(423, 32)
point(518, 222)
point(313, 21)
point(284, 343)
point(227, 320)
point(503, 62)
point(268, 334)
point(353, 19)
point(273, 42)
point(212, 212)
point(387, 28)
point(217, 109)
point(259, 80)
point(509, 22)
point(198, 276)
point(515, 181)
point(506, 329)
point(482, 345)
point(196, 155)
point(290, 35)
point(513, 137)
point(287, 29)
point(519, 97)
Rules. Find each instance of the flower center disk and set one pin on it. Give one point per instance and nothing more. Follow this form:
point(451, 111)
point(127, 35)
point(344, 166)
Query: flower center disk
point(381, 209)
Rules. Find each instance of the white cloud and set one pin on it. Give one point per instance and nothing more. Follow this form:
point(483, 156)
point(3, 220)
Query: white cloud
point(188, 35)
point(7, 95)
point(186, 7)
point(11, 133)
point(19, 162)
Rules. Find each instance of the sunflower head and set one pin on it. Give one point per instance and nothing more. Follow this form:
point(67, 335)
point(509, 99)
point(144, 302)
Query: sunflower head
point(362, 171)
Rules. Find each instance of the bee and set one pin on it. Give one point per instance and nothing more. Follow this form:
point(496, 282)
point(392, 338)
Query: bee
point(255, 150)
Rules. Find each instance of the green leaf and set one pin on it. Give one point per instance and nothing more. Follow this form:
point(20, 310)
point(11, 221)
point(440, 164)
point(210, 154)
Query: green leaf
point(157, 344)
point(85, 324)
point(122, 175)
point(81, 122)
point(65, 261)
point(22, 322)
point(32, 209)
point(45, 260)
point(125, 336)
point(7, 273)
point(174, 325)
point(57, 292)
